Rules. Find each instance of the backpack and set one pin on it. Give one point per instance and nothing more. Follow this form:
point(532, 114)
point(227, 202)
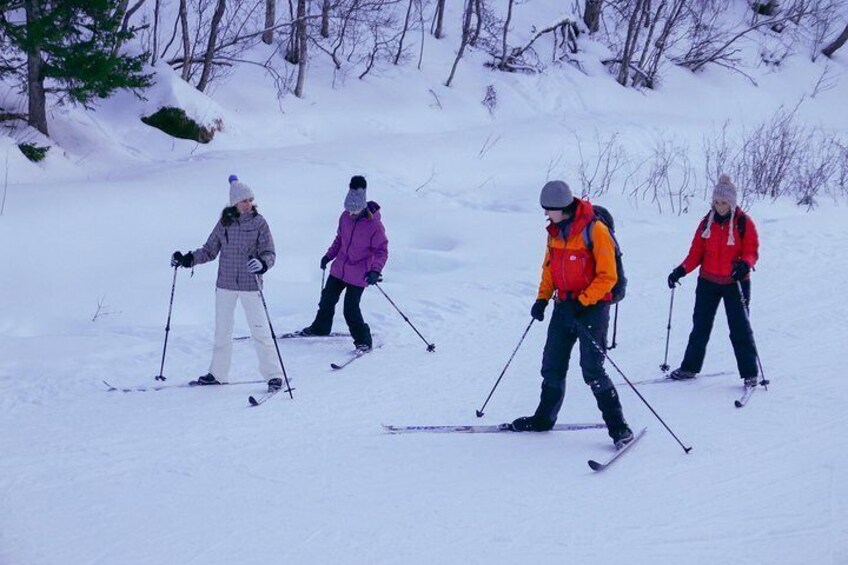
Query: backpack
point(603, 215)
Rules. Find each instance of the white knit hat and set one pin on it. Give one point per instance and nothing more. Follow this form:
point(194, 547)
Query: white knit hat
point(238, 191)
point(724, 190)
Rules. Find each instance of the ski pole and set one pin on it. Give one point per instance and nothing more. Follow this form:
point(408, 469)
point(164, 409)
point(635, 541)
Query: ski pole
point(763, 380)
point(480, 411)
point(431, 347)
point(664, 367)
point(585, 332)
point(273, 335)
point(614, 329)
point(160, 376)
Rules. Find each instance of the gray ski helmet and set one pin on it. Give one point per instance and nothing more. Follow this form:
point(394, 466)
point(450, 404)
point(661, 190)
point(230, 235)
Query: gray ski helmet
point(555, 195)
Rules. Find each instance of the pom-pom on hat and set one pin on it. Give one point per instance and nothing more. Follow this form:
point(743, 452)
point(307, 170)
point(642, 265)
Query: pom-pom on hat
point(356, 199)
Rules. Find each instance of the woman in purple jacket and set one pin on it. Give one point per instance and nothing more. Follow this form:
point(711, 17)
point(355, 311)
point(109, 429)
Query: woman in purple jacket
point(359, 254)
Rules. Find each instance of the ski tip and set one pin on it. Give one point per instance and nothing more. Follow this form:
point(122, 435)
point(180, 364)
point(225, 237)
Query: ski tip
point(738, 404)
point(334, 366)
point(595, 466)
point(252, 401)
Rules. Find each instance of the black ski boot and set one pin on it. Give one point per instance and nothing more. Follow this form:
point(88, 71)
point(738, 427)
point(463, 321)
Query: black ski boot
point(610, 408)
point(531, 424)
point(750, 382)
point(207, 379)
point(681, 375)
point(275, 384)
point(309, 331)
point(545, 417)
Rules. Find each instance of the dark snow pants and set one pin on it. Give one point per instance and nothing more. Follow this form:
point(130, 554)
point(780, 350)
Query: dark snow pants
point(562, 335)
point(323, 323)
point(707, 296)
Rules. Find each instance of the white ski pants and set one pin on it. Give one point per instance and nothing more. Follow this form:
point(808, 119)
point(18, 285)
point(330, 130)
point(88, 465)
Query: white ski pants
point(222, 352)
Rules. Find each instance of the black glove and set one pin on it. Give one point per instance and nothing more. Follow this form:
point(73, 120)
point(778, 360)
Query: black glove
point(373, 277)
point(578, 308)
point(538, 309)
point(324, 261)
point(675, 276)
point(740, 270)
point(186, 261)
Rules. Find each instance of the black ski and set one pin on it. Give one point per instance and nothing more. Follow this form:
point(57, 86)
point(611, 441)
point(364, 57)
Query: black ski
point(668, 379)
point(190, 384)
point(746, 396)
point(480, 429)
point(256, 401)
point(600, 466)
point(356, 354)
point(298, 335)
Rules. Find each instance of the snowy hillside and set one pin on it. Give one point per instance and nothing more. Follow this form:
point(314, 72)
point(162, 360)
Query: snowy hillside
point(184, 475)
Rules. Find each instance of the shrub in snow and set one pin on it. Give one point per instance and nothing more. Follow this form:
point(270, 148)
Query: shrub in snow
point(33, 152)
point(176, 123)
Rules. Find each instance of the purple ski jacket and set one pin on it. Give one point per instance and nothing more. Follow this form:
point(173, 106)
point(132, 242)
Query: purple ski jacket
point(360, 246)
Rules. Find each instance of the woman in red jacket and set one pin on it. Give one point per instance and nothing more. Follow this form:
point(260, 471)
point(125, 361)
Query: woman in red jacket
point(725, 246)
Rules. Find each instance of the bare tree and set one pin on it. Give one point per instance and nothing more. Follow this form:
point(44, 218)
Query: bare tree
point(466, 34)
point(837, 43)
point(325, 19)
point(403, 33)
point(300, 27)
point(592, 15)
point(270, 20)
point(439, 18)
point(502, 64)
point(210, 48)
point(183, 17)
point(154, 53)
point(637, 15)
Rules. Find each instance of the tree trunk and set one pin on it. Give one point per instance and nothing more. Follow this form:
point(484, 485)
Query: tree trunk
point(36, 98)
point(633, 28)
point(155, 55)
point(301, 48)
point(270, 20)
point(592, 15)
point(186, 43)
point(478, 9)
point(839, 42)
point(403, 34)
point(440, 18)
point(466, 32)
point(210, 46)
point(505, 34)
point(325, 19)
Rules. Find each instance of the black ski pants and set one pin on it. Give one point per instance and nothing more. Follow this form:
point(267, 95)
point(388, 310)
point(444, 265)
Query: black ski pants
point(562, 335)
point(323, 323)
point(707, 297)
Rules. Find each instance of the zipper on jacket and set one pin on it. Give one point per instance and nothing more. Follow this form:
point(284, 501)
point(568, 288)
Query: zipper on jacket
point(349, 242)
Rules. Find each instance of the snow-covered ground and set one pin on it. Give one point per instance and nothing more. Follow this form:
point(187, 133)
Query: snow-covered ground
point(195, 476)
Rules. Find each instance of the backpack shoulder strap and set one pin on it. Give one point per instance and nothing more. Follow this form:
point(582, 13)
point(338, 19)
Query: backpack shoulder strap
point(587, 234)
